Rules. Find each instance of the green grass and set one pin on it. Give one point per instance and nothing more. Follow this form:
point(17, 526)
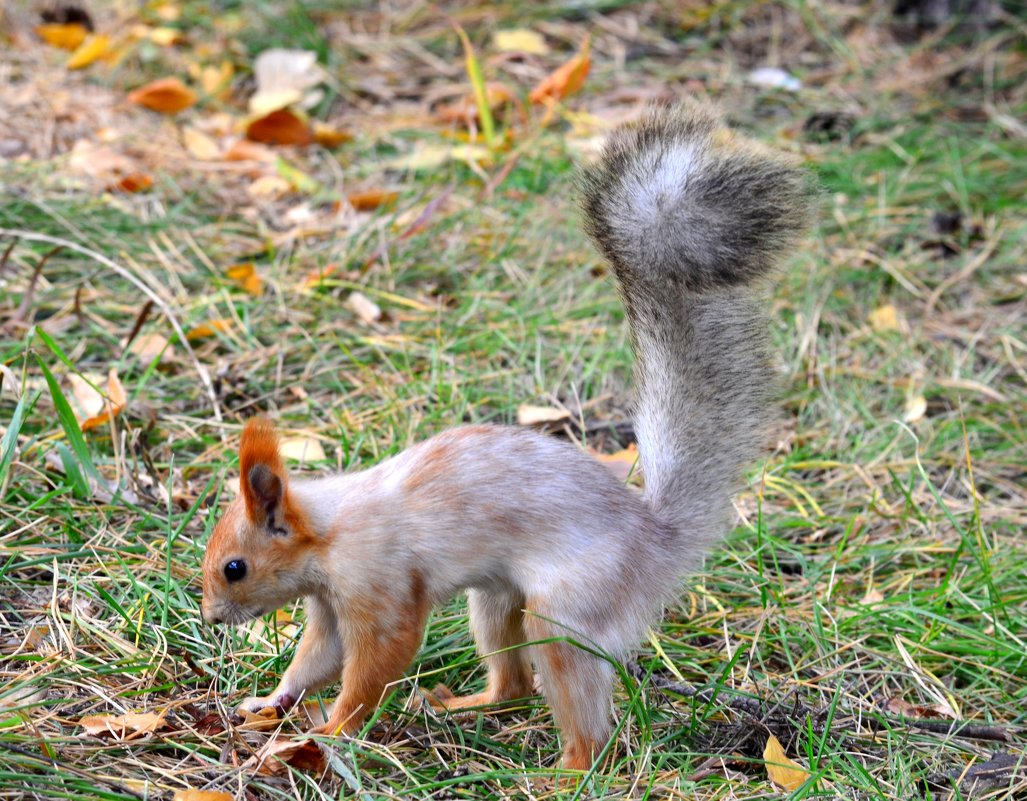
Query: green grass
point(875, 559)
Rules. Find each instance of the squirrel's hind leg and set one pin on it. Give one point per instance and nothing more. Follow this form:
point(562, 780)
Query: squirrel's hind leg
point(578, 687)
point(497, 622)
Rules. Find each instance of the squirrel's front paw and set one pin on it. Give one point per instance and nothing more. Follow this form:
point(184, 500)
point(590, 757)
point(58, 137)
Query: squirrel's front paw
point(283, 702)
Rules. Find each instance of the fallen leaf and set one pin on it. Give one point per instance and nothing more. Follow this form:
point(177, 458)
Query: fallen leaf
point(316, 277)
point(133, 182)
point(202, 795)
point(282, 77)
point(208, 329)
point(622, 463)
point(151, 346)
point(783, 771)
point(245, 150)
point(264, 719)
point(872, 596)
point(528, 415)
point(95, 46)
point(365, 308)
point(278, 755)
point(371, 199)
point(245, 275)
point(297, 179)
point(302, 449)
point(166, 95)
point(884, 318)
point(165, 37)
point(520, 40)
point(329, 136)
point(916, 408)
point(114, 403)
point(129, 726)
point(269, 186)
point(567, 79)
point(897, 706)
point(215, 80)
point(281, 127)
point(99, 161)
point(67, 36)
point(199, 145)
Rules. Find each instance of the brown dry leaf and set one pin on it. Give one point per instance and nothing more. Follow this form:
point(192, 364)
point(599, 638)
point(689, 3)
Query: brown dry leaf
point(365, 308)
point(277, 755)
point(371, 199)
point(94, 47)
point(783, 771)
point(88, 401)
point(520, 40)
point(245, 275)
point(129, 726)
point(302, 449)
point(897, 706)
point(99, 161)
point(528, 415)
point(329, 136)
point(884, 318)
point(199, 145)
point(202, 795)
point(208, 329)
point(166, 95)
point(115, 402)
point(281, 127)
point(132, 183)
point(567, 79)
point(151, 346)
point(67, 36)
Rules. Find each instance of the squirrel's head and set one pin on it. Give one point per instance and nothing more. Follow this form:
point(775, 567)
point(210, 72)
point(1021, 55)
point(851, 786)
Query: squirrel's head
point(260, 552)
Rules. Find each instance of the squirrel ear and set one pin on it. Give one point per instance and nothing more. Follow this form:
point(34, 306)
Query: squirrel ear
point(263, 477)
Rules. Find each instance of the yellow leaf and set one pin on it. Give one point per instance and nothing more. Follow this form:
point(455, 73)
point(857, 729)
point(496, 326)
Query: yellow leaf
point(783, 772)
point(208, 329)
point(164, 36)
point(123, 727)
point(302, 449)
point(245, 275)
point(916, 408)
point(167, 95)
point(328, 136)
point(621, 463)
point(202, 795)
point(520, 40)
point(884, 318)
point(94, 47)
point(199, 145)
point(216, 79)
point(67, 36)
point(565, 80)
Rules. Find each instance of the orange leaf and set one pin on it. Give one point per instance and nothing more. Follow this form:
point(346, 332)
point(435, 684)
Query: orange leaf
point(114, 403)
point(167, 95)
point(327, 136)
point(245, 275)
point(133, 182)
point(123, 727)
point(371, 199)
point(67, 36)
point(280, 127)
point(567, 79)
point(208, 329)
point(316, 277)
point(245, 150)
point(94, 47)
point(202, 795)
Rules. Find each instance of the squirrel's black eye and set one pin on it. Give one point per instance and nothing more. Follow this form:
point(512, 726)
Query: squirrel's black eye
point(235, 570)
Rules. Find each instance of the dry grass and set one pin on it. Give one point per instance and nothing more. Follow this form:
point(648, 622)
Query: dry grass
point(879, 560)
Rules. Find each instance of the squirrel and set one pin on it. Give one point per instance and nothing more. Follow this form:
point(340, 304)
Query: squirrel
point(554, 552)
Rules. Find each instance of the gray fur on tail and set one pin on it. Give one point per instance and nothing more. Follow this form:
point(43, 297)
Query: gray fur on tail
point(692, 225)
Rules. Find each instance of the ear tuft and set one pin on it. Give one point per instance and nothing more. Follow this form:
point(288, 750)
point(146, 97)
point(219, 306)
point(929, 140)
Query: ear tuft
point(262, 478)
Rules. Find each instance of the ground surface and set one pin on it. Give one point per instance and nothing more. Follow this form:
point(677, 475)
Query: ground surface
point(870, 610)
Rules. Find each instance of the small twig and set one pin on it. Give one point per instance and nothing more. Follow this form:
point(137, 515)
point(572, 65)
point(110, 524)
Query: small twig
point(955, 728)
point(141, 318)
point(7, 255)
point(26, 301)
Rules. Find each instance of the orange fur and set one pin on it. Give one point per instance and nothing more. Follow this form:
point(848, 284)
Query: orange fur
point(259, 445)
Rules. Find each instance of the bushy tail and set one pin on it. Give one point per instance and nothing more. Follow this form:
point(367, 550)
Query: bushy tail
point(693, 223)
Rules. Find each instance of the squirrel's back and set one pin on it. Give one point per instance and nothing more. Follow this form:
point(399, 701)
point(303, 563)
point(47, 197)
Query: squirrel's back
point(693, 221)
